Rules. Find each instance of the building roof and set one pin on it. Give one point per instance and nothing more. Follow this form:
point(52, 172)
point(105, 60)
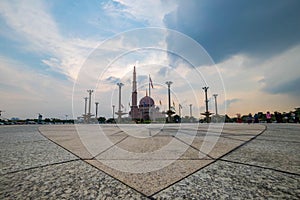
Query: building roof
point(146, 101)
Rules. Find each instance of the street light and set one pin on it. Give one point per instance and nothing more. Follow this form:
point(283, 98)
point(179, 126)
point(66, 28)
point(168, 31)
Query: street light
point(90, 101)
point(207, 113)
point(120, 113)
point(191, 114)
point(85, 105)
point(120, 87)
point(113, 106)
point(216, 105)
point(169, 112)
point(97, 103)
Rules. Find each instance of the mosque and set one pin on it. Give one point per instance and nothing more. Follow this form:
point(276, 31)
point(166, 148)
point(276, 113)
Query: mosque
point(146, 110)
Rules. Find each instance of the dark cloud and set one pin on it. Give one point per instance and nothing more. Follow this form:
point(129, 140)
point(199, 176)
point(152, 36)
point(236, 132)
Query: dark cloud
point(228, 102)
point(112, 80)
point(259, 28)
point(163, 71)
point(289, 87)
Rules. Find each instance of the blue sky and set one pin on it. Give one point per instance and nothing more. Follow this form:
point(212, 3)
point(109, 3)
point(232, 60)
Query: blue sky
point(246, 51)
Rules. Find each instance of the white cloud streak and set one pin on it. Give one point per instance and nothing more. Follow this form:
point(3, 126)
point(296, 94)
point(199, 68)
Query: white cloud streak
point(36, 28)
point(252, 82)
point(152, 12)
point(25, 92)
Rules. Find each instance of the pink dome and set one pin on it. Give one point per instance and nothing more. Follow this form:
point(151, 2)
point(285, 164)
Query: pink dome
point(146, 102)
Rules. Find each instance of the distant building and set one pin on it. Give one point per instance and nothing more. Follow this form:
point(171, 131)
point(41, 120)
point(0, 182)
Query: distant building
point(146, 110)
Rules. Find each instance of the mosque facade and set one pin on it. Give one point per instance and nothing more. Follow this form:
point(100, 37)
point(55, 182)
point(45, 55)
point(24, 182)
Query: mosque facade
point(146, 109)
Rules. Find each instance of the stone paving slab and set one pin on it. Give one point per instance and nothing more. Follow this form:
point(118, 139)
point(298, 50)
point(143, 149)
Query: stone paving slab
point(282, 133)
point(224, 180)
point(222, 147)
point(71, 180)
point(265, 167)
point(23, 147)
point(68, 137)
point(19, 134)
point(270, 151)
point(150, 157)
point(150, 182)
point(20, 156)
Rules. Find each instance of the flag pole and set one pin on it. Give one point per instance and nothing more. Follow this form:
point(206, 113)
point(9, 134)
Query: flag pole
point(149, 87)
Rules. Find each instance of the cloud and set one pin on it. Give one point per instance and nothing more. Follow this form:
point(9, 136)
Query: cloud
point(256, 57)
point(113, 80)
point(281, 73)
point(225, 28)
point(30, 92)
point(229, 102)
point(36, 29)
point(150, 12)
point(262, 85)
point(289, 87)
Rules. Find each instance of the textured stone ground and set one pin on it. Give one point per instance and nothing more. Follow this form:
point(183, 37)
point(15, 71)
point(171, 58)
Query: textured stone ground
point(55, 162)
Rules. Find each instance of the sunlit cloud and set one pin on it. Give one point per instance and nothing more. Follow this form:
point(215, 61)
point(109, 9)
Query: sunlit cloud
point(43, 55)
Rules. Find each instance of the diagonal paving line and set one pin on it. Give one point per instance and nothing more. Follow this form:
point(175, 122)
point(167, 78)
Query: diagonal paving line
point(41, 166)
point(270, 140)
point(194, 147)
point(85, 160)
point(151, 196)
point(214, 161)
point(110, 147)
point(258, 166)
point(118, 132)
point(261, 167)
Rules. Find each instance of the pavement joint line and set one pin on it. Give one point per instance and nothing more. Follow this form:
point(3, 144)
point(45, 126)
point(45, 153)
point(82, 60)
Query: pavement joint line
point(244, 143)
point(278, 140)
point(41, 166)
point(21, 142)
point(151, 159)
point(228, 137)
point(194, 147)
point(111, 146)
point(117, 132)
point(197, 170)
point(261, 167)
point(115, 178)
point(151, 196)
point(59, 145)
point(85, 160)
point(214, 161)
point(205, 133)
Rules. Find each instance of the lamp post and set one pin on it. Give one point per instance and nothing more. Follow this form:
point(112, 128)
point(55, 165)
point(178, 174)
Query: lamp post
point(113, 106)
point(120, 88)
point(97, 103)
point(90, 101)
point(169, 112)
point(85, 109)
point(120, 113)
point(216, 105)
point(207, 113)
point(85, 104)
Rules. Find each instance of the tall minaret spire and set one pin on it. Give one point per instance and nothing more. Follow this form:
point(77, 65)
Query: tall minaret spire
point(134, 80)
point(134, 108)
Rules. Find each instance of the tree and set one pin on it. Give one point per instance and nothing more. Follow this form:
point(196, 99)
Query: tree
point(101, 120)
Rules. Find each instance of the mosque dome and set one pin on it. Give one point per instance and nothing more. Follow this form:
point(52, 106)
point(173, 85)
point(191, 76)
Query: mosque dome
point(146, 102)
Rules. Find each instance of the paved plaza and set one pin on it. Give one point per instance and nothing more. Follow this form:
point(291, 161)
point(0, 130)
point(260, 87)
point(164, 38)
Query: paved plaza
point(171, 161)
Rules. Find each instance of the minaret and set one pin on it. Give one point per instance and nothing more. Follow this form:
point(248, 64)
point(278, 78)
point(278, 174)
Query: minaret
point(134, 92)
point(134, 107)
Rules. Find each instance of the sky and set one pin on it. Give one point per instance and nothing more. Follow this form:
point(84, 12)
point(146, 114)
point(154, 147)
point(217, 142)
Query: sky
point(51, 52)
